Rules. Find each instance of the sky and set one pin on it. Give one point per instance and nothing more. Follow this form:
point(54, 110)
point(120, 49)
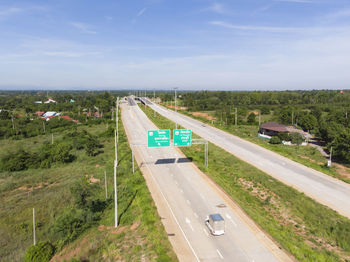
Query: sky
point(161, 44)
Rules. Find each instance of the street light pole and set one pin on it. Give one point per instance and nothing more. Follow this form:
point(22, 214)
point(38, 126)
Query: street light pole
point(115, 183)
point(34, 234)
point(175, 107)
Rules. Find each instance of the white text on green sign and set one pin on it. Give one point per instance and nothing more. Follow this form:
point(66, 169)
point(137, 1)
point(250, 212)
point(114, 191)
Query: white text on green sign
point(158, 138)
point(182, 137)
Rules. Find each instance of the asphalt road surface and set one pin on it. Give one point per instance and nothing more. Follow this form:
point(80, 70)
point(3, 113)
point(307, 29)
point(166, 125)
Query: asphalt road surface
point(322, 188)
point(191, 199)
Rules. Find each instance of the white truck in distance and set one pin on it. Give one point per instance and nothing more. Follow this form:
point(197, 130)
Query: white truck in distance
point(216, 224)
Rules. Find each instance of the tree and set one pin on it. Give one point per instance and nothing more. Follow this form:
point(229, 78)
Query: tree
point(251, 119)
point(41, 252)
point(296, 138)
point(275, 140)
point(307, 121)
point(341, 145)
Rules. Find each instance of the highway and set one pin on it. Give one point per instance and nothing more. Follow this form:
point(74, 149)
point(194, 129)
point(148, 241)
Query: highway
point(322, 188)
point(189, 198)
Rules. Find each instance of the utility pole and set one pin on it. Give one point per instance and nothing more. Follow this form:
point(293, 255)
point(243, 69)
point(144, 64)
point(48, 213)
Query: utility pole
point(106, 185)
point(115, 182)
point(330, 158)
point(44, 127)
point(201, 142)
point(13, 125)
point(117, 117)
point(154, 100)
point(34, 236)
point(292, 117)
point(259, 118)
point(236, 116)
point(175, 107)
point(51, 138)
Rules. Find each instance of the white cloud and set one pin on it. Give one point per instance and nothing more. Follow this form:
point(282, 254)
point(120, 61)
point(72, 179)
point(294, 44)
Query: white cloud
point(216, 8)
point(256, 28)
point(85, 28)
point(5, 13)
point(141, 12)
point(338, 15)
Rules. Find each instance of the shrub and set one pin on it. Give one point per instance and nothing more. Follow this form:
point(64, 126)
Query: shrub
point(284, 136)
point(296, 138)
point(41, 252)
point(275, 140)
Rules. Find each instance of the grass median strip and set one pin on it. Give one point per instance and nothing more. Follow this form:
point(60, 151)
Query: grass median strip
point(305, 228)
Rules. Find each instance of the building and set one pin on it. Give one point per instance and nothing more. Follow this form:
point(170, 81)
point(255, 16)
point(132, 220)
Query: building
point(50, 101)
point(272, 129)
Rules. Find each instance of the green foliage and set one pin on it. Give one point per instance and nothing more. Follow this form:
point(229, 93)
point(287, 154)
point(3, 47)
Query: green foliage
point(275, 140)
point(318, 221)
point(59, 152)
point(265, 110)
point(307, 121)
point(284, 136)
point(84, 140)
point(341, 145)
point(41, 252)
point(71, 224)
point(296, 138)
point(251, 119)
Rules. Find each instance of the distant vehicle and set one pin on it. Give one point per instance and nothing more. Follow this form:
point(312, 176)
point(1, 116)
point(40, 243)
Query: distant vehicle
point(216, 224)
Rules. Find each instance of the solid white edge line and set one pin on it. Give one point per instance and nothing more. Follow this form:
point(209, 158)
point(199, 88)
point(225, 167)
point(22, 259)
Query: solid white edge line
point(177, 222)
point(219, 254)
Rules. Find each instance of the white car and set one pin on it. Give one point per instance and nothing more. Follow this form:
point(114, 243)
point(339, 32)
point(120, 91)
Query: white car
point(216, 224)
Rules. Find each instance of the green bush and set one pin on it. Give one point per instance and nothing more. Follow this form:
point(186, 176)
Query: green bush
point(41, 252)
point(284, 136)
point(296, 138)
point(275, 140)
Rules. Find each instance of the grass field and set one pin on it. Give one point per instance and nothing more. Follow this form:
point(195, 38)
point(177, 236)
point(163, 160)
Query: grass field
point(306, 155)
point(305, 228)
point(140, 235)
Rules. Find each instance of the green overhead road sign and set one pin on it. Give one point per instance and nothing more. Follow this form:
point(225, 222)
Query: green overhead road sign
point(158, 138)
point(182, 137)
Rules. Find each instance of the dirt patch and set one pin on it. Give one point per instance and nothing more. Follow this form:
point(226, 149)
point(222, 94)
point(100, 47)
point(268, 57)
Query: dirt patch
point(312, 160)
point(342, 170)
point(135, 225)
point(119, 230)
point(178, 107)
point(204, 115)
point(92, 180)
point(29, 188)
point(70, 254)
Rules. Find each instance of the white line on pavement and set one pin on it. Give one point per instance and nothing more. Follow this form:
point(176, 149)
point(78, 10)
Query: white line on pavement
point(219, 254)
point(233, 222)
point(171, 210)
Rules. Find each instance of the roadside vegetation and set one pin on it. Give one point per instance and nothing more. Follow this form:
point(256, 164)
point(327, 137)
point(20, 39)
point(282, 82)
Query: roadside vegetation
point(303, 227)
point(74, 220)
point(325, 114)
point(306, 155)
